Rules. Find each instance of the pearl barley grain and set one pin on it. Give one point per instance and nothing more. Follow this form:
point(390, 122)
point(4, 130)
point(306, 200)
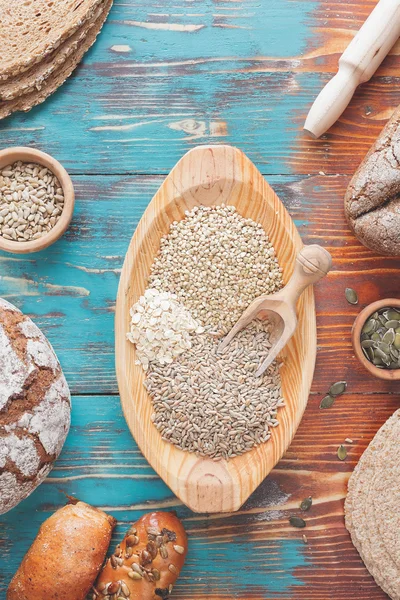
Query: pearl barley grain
point(216, 262)
point(31, 201)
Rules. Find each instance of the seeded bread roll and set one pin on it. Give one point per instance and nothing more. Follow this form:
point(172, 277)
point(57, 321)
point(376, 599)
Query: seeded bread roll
point(66, 556)
point(148, 561)
point(34, 406)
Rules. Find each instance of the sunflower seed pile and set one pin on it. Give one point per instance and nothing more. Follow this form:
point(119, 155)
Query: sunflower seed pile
point(31, 201)
point(216, 262)
point(380, 338)
point(211, 403)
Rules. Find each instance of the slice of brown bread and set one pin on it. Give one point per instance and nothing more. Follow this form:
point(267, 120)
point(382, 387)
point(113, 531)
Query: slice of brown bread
point(30, 30)
point(35, 77)
point(28, 101)
point(372, 201)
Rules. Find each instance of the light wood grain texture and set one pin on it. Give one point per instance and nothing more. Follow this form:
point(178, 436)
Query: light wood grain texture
point(312, 264)
point(212, 176)
point(357, 64)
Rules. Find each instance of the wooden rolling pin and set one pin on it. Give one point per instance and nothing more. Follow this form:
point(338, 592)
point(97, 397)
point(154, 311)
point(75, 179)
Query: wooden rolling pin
point(357, 64)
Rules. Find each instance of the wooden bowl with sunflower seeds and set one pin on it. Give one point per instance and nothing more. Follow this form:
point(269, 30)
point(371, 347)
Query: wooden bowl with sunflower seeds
point(36, 200)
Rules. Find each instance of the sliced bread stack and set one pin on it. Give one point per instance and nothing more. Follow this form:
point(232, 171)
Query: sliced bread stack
point(41, 43)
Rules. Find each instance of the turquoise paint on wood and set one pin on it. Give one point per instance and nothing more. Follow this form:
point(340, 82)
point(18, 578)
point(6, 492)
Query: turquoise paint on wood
point(137, 112)
point(70, 289)
point(102, 465)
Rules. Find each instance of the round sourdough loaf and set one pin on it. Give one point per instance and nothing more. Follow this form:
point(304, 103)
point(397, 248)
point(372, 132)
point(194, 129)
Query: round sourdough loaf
point(34, 406)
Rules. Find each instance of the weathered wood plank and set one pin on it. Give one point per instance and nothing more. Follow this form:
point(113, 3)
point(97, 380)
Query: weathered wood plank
point(163, 78)
point(252, 554)
point(70, 289)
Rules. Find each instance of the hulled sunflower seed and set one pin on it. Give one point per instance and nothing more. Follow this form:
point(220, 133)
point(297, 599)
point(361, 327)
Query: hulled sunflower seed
point(173, 569)
point(179, 549)
point(135, 576)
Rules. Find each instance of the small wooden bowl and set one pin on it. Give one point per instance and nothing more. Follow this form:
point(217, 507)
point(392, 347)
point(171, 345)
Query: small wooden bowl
point(11, 155)
point(388, 374)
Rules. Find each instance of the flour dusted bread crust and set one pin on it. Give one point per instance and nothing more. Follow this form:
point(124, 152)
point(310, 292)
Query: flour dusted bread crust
point(372, 201)
point(34, 406)
point(148, 561)
point(60, 74)
point(66, 556)
point(31, 29)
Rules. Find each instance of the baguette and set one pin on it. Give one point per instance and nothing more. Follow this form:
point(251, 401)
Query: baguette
point(148, 561)
point(372, 202)
point(66, 556)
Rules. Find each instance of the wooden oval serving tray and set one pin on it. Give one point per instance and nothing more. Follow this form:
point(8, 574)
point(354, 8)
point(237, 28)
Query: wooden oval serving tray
point(213, 175)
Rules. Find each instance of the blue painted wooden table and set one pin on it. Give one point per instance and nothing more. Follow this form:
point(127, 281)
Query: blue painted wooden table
point(163, 77)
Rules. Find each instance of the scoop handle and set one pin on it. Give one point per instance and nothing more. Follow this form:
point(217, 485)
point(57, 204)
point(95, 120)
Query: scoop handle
point(312, 264)
point(357, 64)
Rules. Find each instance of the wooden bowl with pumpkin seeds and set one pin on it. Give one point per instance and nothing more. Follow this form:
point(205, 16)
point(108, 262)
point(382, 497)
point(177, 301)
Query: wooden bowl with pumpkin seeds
point(376, 338)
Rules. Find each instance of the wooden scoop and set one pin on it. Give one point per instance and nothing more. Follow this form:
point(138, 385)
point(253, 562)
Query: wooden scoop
point(312, 263)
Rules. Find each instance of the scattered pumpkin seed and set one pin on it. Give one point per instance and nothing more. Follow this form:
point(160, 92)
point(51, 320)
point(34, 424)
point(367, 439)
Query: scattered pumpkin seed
point(327, 402)
point(351, 296)
point(338, 388)
point(306, 503)
point(297, 521)
point(342, 452)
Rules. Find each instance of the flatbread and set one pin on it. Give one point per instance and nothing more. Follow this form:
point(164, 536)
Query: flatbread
point(35, 77)
point(355, 505)
point(30, 30)
point(28, 101)
point(386, 498)
point(361, 519)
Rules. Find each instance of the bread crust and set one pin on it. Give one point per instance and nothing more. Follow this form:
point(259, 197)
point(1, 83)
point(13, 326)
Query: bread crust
point(59, 75)
point(34, 78)
point(34, 406)
point(156, 545)
point(50, 24)
point(66, 556)
point(372, 200)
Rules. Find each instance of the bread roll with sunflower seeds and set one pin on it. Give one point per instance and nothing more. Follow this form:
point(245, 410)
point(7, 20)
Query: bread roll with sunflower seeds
point(148, 561)
point(66, 556)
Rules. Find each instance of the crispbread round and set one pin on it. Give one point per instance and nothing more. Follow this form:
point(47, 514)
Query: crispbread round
point(34, 78)
point(386, 498)
point(30, 30)
point(361, 519)
point(28, 101)
point(379, 555)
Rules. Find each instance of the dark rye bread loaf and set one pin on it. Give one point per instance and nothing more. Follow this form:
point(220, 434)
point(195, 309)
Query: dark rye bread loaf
point(34, 406)
point(372, 201)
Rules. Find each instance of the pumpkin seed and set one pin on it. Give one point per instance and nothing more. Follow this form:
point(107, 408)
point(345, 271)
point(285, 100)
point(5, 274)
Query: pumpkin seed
point(367, 343)
point(375, 336)
point(351, 296)
point(383, 346)
point(342, 452)
point(370, 326)
point(392, 314)
point(338, 388)
point(297, 521)
point(327, 402)
point(391, 324)
point(382, 320)
point(306, 503)
point(396, 342)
